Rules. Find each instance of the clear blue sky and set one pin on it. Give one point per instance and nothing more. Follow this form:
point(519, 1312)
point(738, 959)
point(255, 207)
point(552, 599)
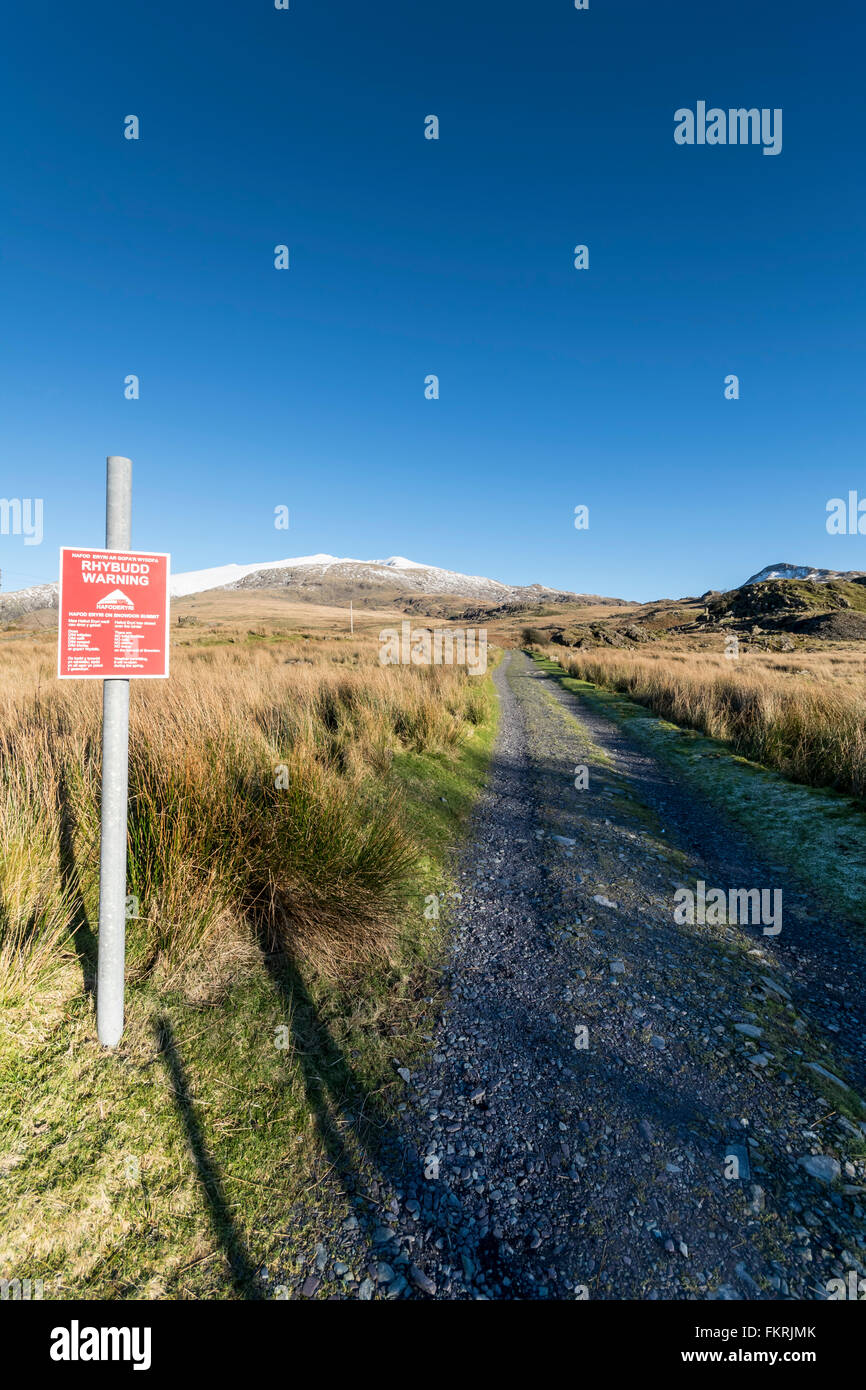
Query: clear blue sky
point(408, 257)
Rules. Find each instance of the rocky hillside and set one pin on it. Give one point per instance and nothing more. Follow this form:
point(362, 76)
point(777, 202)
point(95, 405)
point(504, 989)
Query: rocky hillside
point(785, 571)
point(404, 584)
point(23, 601)
point(793, 605)
point(326, 579)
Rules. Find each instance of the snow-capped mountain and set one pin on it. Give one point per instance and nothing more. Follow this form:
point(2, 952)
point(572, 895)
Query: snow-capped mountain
point(268, 574)
point(20, 601)
point(783, 571)
point(229, 576)
point(396, 574)
point(327, 579)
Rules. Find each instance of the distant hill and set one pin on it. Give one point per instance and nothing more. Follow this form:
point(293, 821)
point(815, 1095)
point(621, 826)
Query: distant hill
point(327, 579)
point(818, 576)
point(777, 605)
point(826, 604)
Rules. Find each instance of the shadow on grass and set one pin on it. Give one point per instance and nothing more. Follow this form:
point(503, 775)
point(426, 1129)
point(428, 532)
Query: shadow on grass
point(243, 1271)
point(340, 1103)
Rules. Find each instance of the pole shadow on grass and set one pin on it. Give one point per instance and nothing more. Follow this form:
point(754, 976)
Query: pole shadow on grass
point(335, 1093)
point(83, 936)
point(244, 1277)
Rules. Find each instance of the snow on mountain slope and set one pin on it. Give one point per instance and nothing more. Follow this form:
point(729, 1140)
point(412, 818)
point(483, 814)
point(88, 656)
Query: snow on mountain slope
point(406, 576)
point(21, 601)
point(396, 571)
point(221, 576)
point(311, 575)
point(784, 571)
point(399, 562)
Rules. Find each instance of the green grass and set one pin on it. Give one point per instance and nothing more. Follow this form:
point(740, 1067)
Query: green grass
point(180, 1164)
point(760, 799)
point(783, 818)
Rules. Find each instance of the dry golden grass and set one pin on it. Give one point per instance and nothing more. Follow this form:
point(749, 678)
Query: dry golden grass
point(258, 804)
point(802, 714)
point(174, 1166)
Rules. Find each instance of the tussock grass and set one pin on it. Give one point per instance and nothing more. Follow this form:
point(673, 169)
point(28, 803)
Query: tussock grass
point(293, 805)
point(36, 909)
point(801, 719)
point(258, 802)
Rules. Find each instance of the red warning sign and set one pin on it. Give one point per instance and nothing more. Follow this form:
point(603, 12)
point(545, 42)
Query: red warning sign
point(113, 614)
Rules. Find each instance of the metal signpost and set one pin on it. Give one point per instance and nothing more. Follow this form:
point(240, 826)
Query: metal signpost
point(113, 626)
point(115, 779)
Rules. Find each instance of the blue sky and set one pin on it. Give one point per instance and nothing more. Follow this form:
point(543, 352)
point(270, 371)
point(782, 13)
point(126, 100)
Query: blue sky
point(305, 388)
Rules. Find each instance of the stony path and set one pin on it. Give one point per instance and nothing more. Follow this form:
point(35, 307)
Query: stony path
point(616, 1106)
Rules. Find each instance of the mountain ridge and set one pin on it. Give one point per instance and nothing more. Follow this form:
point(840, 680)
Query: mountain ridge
point(782, 570)
point(334, 579)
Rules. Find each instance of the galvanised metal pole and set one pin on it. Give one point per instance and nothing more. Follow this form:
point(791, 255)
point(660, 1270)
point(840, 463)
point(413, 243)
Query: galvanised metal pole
point(115, 779)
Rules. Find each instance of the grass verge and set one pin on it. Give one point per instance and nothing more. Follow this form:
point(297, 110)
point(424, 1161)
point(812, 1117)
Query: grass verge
point(807, 722)
point(254, 1068)
point(783, 818)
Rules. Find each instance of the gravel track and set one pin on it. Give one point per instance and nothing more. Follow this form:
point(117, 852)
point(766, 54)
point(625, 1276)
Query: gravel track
point(615, 1106)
